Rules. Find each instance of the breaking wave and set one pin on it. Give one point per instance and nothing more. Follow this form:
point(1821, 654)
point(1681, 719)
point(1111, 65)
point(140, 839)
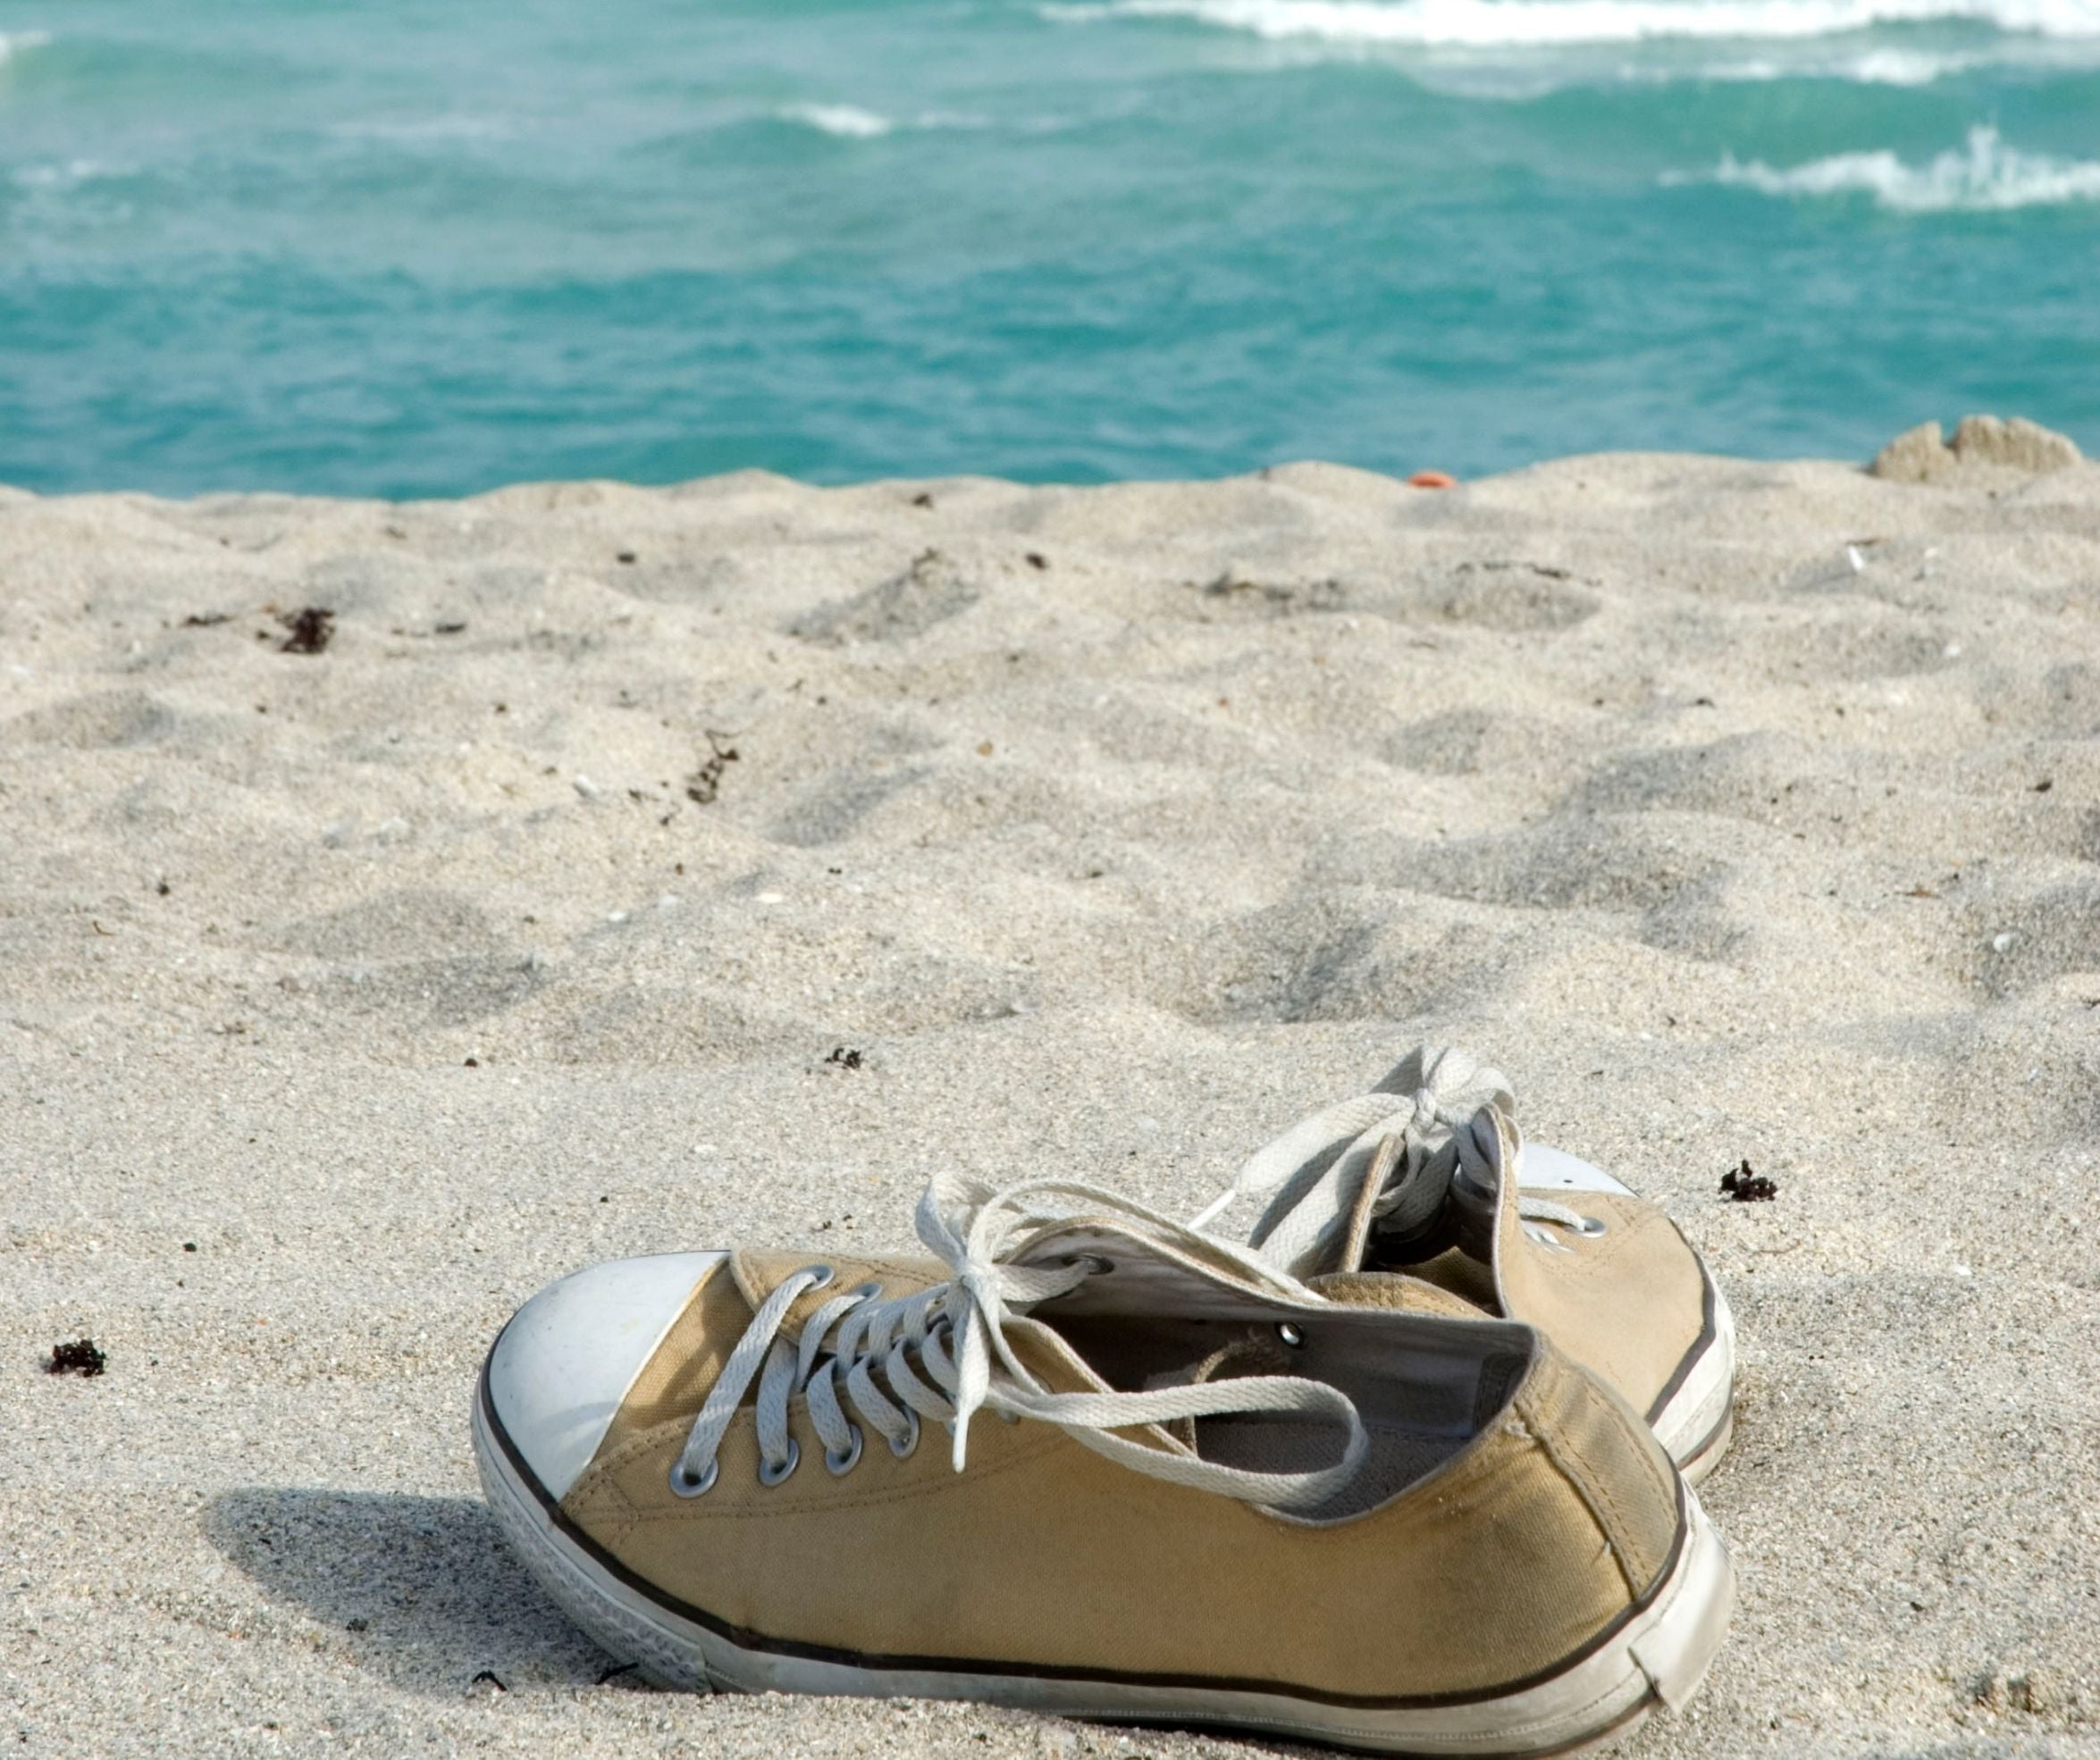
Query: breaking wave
point(848, 121)
point(1985, 176)
point(1528, 23)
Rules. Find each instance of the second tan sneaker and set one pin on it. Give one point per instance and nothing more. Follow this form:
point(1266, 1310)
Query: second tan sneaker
point(1214, 1498)
point(1425, 1185)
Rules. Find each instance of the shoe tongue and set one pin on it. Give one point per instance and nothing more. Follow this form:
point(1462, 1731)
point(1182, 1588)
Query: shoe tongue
point(1057, 1368)
point(1468, 1210)
point(1396, 1293)
point(758, 1271)
point(1403, 1174)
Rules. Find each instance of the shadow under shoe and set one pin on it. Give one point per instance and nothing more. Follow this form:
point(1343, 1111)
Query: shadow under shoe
point(424, 1588)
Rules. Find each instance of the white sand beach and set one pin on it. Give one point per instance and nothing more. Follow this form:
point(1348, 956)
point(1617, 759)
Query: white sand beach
point(1736, 810)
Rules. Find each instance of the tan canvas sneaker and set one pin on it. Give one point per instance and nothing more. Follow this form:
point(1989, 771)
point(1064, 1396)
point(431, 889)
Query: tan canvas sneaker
point(1216, 1497)
point(1426, 1180)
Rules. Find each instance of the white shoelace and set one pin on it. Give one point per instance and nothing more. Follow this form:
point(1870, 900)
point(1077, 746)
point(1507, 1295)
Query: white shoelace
point(859, 1350)
point(1434, 1104)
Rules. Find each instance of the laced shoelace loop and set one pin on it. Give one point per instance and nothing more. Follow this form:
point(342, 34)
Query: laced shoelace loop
point(943, 1354)
point(1440, 1105)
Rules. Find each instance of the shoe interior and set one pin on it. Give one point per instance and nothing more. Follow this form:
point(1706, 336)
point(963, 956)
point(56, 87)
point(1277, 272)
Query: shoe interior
point(1424, 1388)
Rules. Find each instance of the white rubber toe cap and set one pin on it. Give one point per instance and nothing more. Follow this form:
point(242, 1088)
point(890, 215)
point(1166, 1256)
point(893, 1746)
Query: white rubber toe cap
point(564, 1364)
point(1554, 1168)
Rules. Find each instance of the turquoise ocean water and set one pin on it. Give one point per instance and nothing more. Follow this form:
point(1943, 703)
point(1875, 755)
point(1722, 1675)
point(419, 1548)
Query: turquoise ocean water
point(412, 249)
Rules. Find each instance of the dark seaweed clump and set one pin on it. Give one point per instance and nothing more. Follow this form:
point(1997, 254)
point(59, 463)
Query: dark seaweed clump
point(82, 1357)
point(1745, 1187)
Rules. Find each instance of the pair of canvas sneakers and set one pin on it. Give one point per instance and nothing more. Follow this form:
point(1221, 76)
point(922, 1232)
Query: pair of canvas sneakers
point(1403, 1465)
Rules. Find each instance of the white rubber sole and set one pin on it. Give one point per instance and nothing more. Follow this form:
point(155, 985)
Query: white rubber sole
point(1698, 1423)
point(1661, 1655)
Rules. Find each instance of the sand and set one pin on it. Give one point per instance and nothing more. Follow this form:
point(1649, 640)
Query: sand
point(1737, 810)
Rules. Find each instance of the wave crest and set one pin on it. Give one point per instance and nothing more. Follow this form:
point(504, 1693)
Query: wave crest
point(68, 174)
point(1876, 67)
point(1555, 23)
point(21, 42)
point(1987, 176)
point(846, 121)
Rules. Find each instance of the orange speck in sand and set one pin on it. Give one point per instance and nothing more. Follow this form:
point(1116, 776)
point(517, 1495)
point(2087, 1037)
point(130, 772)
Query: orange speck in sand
point(1433, 480)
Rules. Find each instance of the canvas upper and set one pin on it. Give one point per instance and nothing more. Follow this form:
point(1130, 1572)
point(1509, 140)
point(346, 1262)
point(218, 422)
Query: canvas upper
point(1426, 1180)
point(1216, 1495)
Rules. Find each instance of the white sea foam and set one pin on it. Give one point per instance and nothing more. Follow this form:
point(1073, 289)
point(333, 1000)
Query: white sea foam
point(1901, 67)
point(1526, 24)
point(67, 175)
point(1877, 67)
point(846, 121)
point(1987, 175)
point(850, 122)
point(21, 42)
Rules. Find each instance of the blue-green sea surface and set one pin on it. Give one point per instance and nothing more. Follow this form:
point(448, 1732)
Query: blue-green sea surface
point(402, 250)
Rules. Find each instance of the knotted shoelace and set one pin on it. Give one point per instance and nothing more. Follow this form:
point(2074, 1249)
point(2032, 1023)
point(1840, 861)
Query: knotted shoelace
point(943, 1354)
point(1434, 1107)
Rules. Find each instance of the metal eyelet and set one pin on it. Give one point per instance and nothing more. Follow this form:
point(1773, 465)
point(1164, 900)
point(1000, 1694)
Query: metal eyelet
point(1291, 1335)
point(904, 1450)
point(870, 1290)
point(769, 1475)
point(839, 1464)
point(1590, 1226)
point(821, 1275)
point(694, 1485)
